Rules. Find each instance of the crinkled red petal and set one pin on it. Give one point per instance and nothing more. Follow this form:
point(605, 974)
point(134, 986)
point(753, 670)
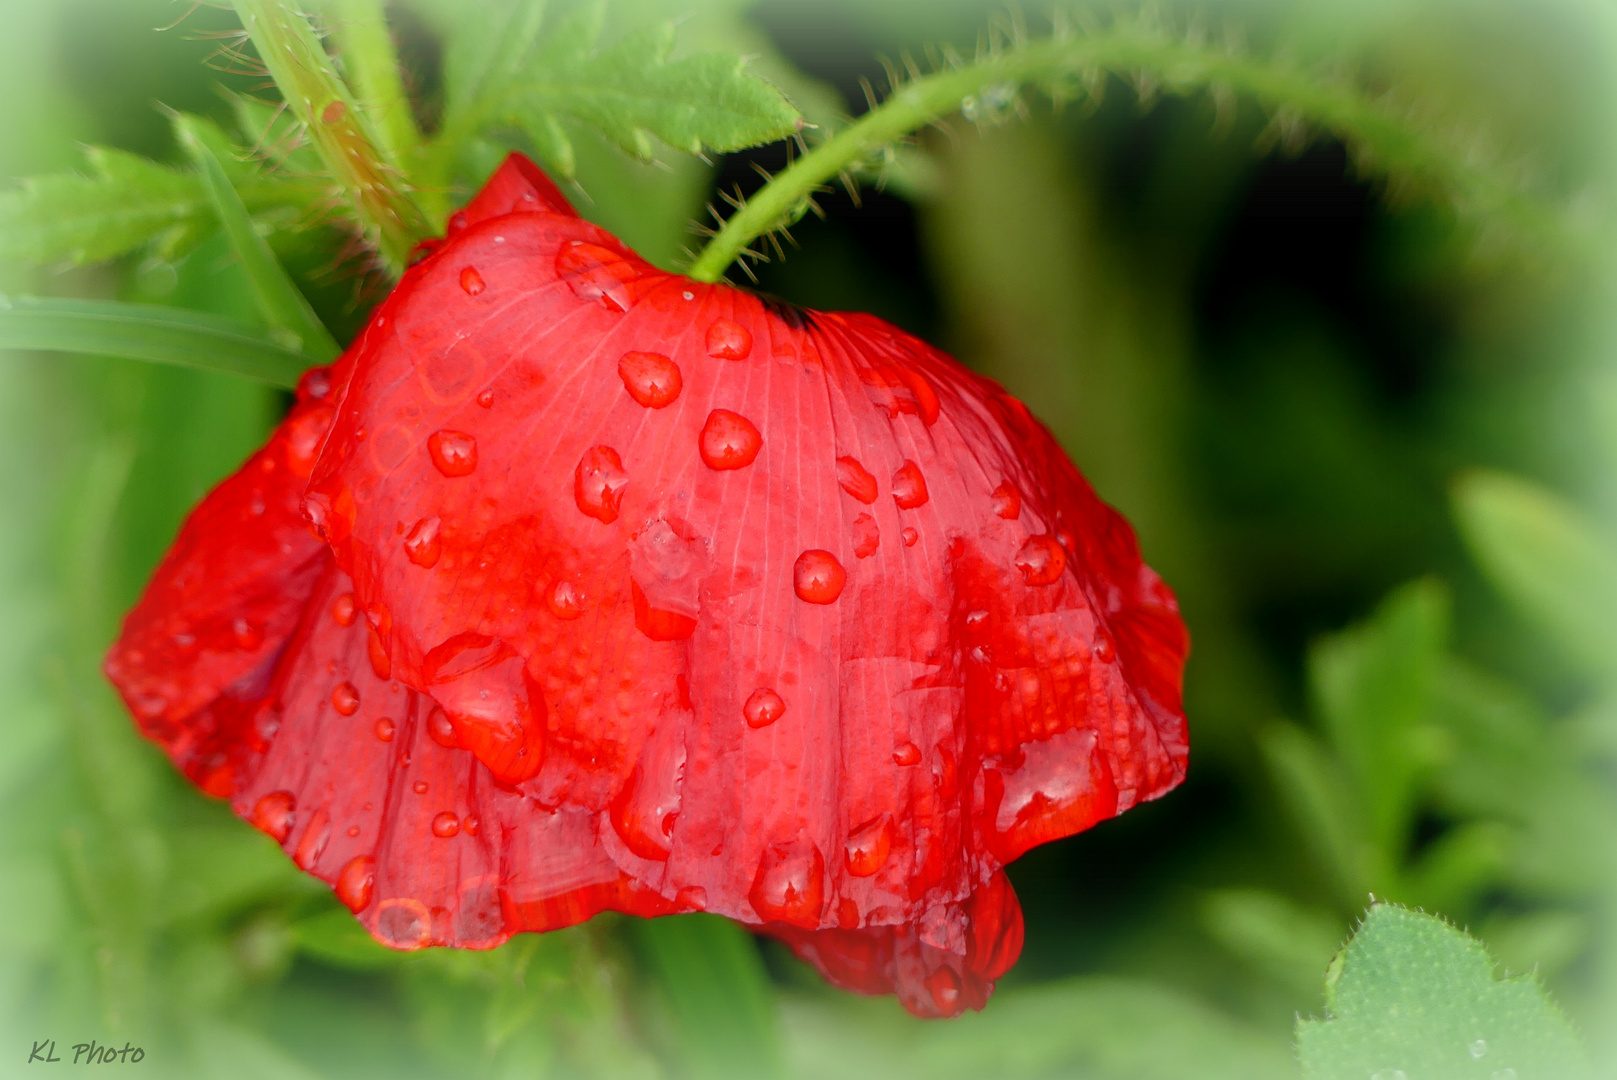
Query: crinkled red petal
point(674, 651)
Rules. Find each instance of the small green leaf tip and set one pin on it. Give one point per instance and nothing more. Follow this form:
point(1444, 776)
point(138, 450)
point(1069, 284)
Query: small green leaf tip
point(1413, 998)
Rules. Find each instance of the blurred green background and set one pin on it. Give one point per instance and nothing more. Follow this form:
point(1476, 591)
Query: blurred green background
point(1367, 430)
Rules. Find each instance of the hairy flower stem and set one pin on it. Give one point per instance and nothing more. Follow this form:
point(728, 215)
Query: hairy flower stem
point(1379, 138)
point(339, 129)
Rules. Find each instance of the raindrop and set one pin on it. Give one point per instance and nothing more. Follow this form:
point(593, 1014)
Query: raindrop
point(355, 882)
point(975, 620)
point(421, 545)
point(906, 754)
point(469, 825)
point(1103, 649)
point(344, 610)
point(729, 441)
point(867, 536)
point(856, 480)
point(598, 483)
point(457, 222)
point(403, 923)
point(353, 831)
point(313, 843)
point(909, 536)
point(1007, 501)
point(789, 885)
point(246, 634)
point(596, 273)
point(565, 600)
point(376, 652)
point(763, 708)
point(385, 729)
point(728, 341)
point(274, 814)
point(909, 486)
point(454, 452)
point(869, 846)
point(441, 730)
point(687, 294)
point(944, 986)
point(445, 825)
point(471, 282)
point(1479, 1048)
point(419, 787)
point(691, 897)
point(818, 577)
point(652, 379)
point(345, 699)
point(486, 399)
point(1041, 560)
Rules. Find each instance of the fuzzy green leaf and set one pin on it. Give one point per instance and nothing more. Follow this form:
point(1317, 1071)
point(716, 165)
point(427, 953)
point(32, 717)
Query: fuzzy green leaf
point(163, 335)
point(1410, 996)
point(124, 202)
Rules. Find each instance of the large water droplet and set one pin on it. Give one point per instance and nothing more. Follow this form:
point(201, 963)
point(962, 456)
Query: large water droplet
point(728, 341)
point(909, 536)
point(856, 480)
point(565, 600)
point(598, 273)
point(355, 882)
point(498, 712)
point(1041, 560)
point(385, 729)
point(454, 452)
point(651, 379)
point(421, 544)
point(344, 610)
point(471, 282)
point(763, 707)
point(909, 486)
point(1007, 501)
point(818, 577)
point(314, 841)
point(404, 923)
point(445, 825)
point(789, 885)
point(729, 440)
point(646, 809)
point(598, 483)
point(275, 814)
point(440, 730)
point(345, 699)
point(906, 754)
point(868, 847)
point(866, 536)
point(376, 652)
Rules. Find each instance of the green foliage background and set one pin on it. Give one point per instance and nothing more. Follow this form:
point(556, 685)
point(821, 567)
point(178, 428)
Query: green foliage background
point(1356, 391)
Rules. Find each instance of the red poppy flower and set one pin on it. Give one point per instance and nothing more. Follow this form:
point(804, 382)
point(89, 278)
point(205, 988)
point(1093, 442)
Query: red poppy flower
point(625, 591)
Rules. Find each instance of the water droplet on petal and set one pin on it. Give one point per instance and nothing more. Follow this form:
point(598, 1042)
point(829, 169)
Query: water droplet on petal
point(421, 545)
point(314, 841)
point(445, 825)
point(353, 831)
point(867, 536)
point(246, 634)
point(868, 847)
point(855, 480)
point(687, 294)
point(729, 440)
point(1103, 649)
point(441, 730)
point(274, 814)
point(944, 986)
point(404, 923)
point(385, 729)
point(355, 882)
point(652, 379)
point(763, 707)
point(486, 399)
point(909, 536)
point(976, 620)
point(659, 624)
point(691, 897)
point(789, 885)
point(457, 222)
point(598, 483)
point(345, 699)
point(906, 754)
point(471, 282)
point(909, 486)
point(594, 272)
point(565, 600)
point(419, 787)
point(1007, 501)
point(818, 577)
point(469, 825)
point(1041, 560)
point(376, 652)
point(343, 609)
point(729, 341)
point(454, 452)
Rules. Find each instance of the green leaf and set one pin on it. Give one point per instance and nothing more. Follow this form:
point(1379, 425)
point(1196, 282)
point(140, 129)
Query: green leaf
point(163, 335)
point(1324, 809)
point(1547, 557)
point(279, 301)
point(1374, 686)
point(1412, 997)
point(718, 992)
point(123, 203)
point(487, 44)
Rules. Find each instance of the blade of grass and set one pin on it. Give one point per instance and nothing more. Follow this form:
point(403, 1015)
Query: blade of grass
point(162, 335)
point(372, 66)
point(279, 300)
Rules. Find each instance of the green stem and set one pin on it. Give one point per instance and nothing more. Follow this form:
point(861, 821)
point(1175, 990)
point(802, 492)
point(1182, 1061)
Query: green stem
point(1386, 140)
point(372, 66)
point(319, 99)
